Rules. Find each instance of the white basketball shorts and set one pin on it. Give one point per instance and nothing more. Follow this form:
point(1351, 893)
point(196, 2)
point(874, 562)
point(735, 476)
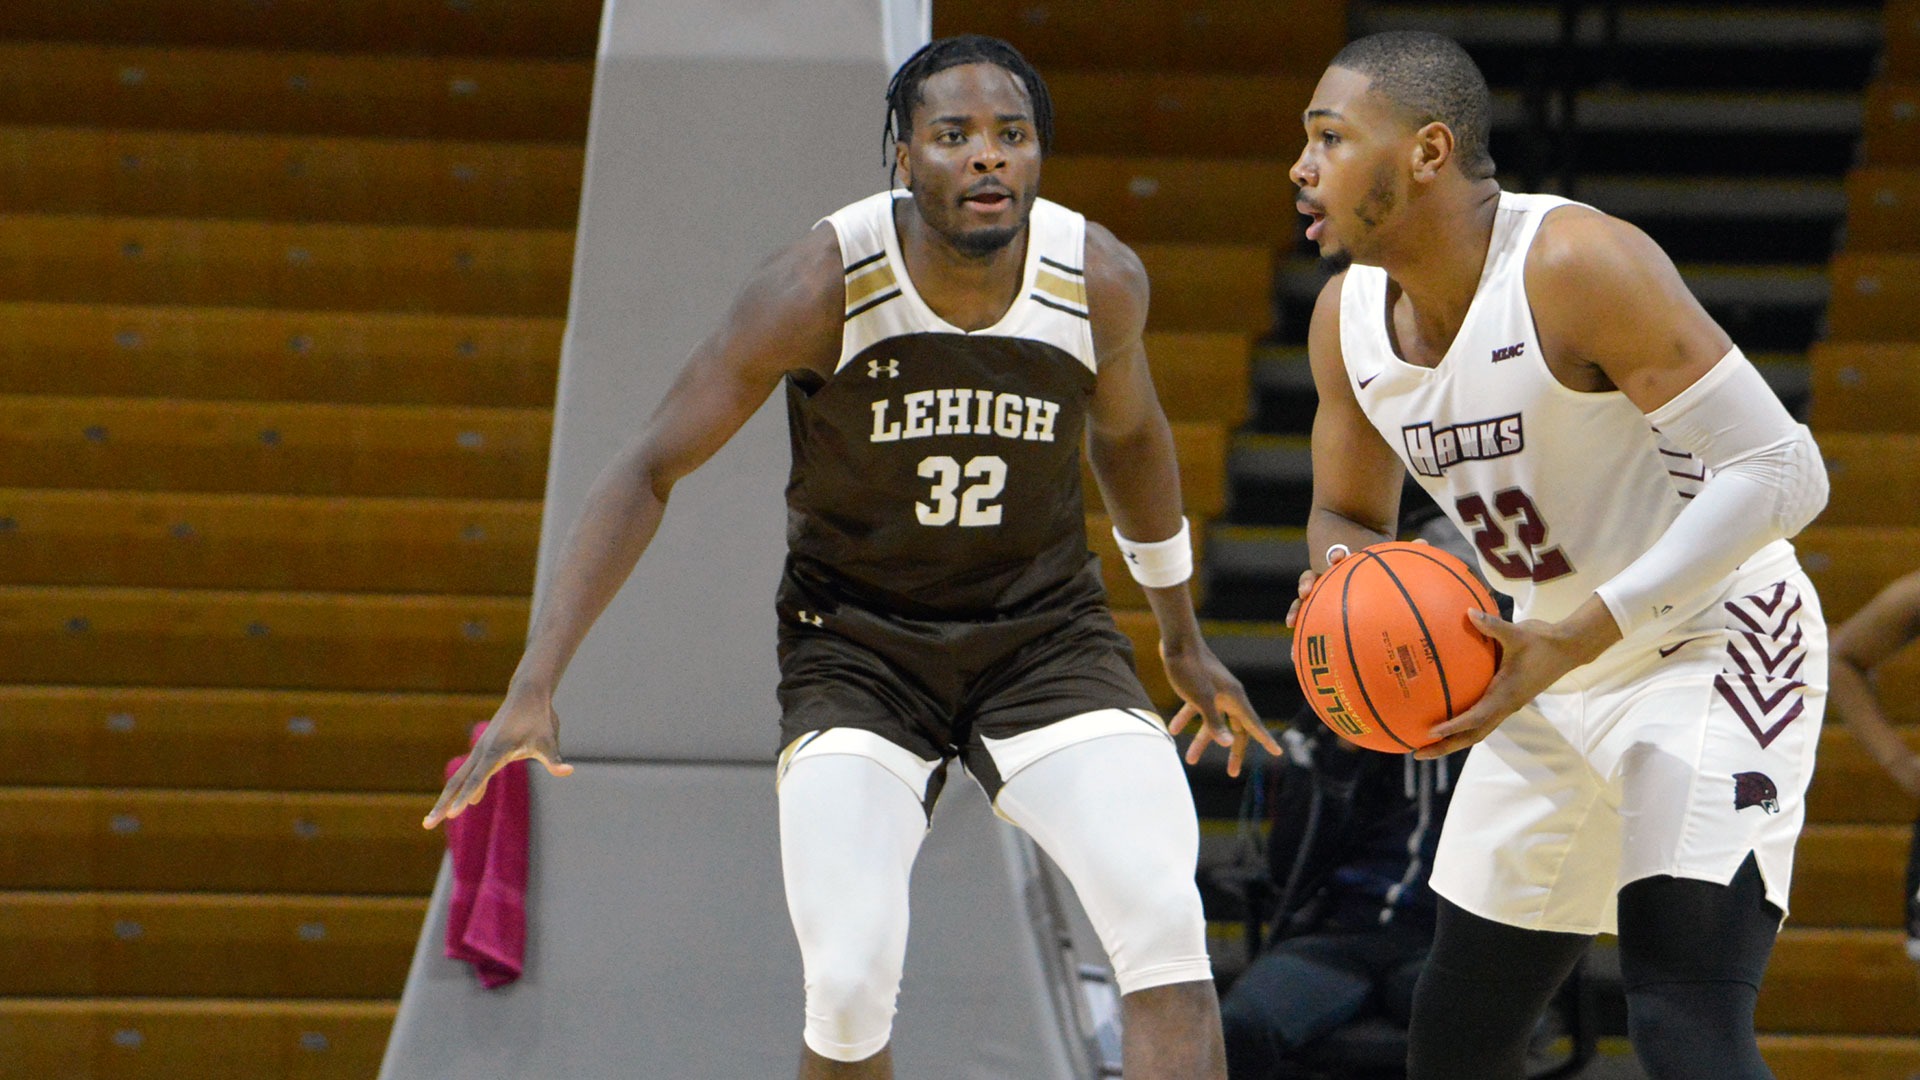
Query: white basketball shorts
point(1676, 756)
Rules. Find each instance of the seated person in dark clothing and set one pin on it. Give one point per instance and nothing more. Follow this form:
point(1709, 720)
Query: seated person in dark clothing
point(1349, 853)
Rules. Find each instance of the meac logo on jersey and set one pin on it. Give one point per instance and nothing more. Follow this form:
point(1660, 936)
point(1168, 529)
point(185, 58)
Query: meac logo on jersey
point(1432, 451)
point(925, 413)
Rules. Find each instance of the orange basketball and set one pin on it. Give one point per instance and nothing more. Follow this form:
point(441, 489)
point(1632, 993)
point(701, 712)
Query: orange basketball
point(1383, 647)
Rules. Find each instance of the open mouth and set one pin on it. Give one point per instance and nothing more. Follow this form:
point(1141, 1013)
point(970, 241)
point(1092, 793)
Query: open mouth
point(989, 201)
point(1318, 224)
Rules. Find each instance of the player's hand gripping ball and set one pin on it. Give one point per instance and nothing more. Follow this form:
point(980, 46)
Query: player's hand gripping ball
point(1384, 649)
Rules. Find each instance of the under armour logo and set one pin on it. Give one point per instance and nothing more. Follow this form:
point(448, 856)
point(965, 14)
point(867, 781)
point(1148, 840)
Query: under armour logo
point(875, 367)
point(809, 618)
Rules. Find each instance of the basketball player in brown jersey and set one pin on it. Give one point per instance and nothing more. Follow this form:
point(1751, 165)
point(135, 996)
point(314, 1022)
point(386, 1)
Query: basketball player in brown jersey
point(1641, 757)
point(943, 352)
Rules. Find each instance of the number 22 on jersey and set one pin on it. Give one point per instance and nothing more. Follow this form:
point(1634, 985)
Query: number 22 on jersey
point(1534, 561)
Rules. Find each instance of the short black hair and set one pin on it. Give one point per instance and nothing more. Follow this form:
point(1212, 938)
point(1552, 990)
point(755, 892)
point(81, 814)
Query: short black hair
point(1433, 78)
point(904, 91)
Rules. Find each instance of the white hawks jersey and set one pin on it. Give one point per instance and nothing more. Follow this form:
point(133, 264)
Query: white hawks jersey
point(1558, 490)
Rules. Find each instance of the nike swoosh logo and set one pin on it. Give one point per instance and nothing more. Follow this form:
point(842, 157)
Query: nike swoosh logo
point(1671, 649)
point(1368, 379)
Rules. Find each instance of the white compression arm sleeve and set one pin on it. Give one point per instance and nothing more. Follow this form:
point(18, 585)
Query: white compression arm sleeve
point(1767, 482)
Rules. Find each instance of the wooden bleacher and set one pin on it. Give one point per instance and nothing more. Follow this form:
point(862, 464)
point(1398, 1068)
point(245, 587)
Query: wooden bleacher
point(65, 258)
point(246, 740)
point(281, 300)
point(468, 28)
point(293, 178)
point(1839, 998)
point(182, 540)
point(252, 354)
point(281, 91)
point(1875, 477)
point(303, 448)
point(1864, 386)
point(209, 946)
point(1182, 114)
point(139, 636)
point(1887, 137)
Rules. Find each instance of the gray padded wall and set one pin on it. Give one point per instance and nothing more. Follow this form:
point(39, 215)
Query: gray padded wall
point(658, 941)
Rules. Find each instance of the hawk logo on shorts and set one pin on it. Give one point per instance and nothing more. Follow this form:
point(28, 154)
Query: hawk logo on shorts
point(1755, 789)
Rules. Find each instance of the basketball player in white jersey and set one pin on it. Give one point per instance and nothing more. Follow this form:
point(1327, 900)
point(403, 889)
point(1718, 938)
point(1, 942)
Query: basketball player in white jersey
point(1628, 478)
point(944, 349)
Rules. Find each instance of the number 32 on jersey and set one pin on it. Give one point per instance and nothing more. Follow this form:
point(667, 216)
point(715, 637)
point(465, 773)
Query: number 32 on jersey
point(972, 507)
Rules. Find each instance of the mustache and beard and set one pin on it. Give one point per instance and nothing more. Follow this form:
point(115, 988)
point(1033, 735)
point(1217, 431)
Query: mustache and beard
point(980, 243)
point(1374, 207)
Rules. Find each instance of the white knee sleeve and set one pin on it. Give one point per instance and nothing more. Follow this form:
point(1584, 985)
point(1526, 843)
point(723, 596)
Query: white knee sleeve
point(850, 826)
point(1117, 816)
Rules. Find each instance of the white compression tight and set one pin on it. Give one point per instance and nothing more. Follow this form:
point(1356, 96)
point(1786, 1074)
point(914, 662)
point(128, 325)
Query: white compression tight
point(1114, 812)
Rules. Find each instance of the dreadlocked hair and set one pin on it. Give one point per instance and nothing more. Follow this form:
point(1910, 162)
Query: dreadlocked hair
point(903, 92)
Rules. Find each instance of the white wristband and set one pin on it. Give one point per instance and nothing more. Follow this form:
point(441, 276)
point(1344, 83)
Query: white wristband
point(1161, 563)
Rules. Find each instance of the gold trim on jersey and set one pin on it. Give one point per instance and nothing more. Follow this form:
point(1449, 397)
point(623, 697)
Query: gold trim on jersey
point(1071, 290)
point(868, 281)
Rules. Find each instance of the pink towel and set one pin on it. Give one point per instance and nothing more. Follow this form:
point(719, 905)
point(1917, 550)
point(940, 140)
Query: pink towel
point(487, 917)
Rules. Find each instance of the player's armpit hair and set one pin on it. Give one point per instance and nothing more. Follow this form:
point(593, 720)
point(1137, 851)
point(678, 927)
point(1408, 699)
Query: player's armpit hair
point(1767, 483)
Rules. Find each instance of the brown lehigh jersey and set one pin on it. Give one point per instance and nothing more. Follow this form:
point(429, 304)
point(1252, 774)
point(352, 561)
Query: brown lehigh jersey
point(936, 473)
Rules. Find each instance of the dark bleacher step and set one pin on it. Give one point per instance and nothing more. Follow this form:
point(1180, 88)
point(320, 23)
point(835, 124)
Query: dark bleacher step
point(1271, 480)
point(1717, 133)
point(1783, 44)
point(1252, 570)
point(1726, 219)
point(1283, 393)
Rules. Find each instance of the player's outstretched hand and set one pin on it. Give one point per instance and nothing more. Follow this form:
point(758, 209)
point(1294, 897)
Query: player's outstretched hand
point(1532, 657)
point(525, 726)
point(1214, 697)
